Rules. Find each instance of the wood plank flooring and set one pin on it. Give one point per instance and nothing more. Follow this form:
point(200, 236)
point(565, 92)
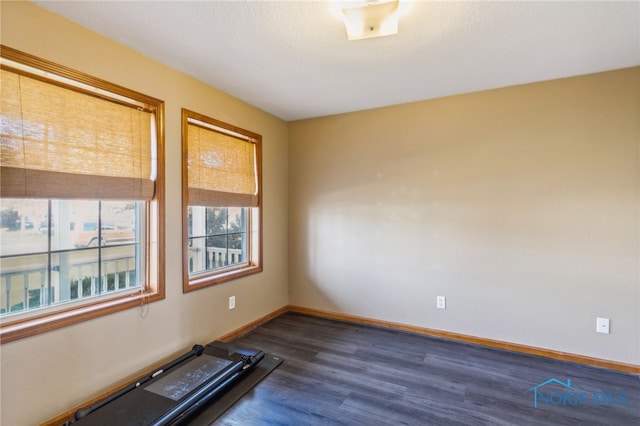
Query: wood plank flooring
point(338, 373)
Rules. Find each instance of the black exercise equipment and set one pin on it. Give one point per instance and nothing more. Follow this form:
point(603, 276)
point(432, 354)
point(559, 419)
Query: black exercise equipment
point(183, 389)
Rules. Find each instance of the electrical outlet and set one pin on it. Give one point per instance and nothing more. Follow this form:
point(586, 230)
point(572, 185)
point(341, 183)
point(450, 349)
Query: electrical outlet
point(232, 302)
point(602, 325)
point(441, 302)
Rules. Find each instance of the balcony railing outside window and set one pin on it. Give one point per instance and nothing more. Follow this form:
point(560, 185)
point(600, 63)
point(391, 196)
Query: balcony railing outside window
point(217, 238)
point(59, 251)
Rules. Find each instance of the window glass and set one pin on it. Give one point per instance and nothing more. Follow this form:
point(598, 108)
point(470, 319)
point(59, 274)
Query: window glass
point(217, 238)
point(56, 251)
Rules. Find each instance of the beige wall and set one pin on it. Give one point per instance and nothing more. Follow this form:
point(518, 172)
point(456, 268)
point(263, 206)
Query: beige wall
point(45, 375)
point(520, 205)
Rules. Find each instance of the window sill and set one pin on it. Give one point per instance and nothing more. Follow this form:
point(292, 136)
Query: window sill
point(202, 281)
point(18, 329)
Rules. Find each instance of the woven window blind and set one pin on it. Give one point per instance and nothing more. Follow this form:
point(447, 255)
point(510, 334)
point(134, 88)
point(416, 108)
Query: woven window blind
point(221, 169)
point(62, 143)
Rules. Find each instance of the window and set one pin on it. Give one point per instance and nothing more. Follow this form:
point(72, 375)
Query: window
point(81, 196)
point(221, 200)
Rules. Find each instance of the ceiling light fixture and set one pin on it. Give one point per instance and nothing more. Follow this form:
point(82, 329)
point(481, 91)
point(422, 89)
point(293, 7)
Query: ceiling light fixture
point(370, 18)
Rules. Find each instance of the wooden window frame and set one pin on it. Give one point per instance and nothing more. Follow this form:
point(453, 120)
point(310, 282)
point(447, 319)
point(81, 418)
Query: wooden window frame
point(254, 231)
point(154, 287)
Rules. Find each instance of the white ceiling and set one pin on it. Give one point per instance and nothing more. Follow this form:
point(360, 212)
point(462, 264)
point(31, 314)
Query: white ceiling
point(292, 58)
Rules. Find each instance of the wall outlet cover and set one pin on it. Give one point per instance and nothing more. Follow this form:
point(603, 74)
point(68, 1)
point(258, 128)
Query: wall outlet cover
point(602, 325)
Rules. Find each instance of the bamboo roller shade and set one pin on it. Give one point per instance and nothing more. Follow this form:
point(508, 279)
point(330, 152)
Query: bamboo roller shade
point(221, 169)
point(63, 143)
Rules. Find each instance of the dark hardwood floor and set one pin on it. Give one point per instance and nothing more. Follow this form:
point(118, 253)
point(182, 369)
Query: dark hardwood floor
point(337, 373)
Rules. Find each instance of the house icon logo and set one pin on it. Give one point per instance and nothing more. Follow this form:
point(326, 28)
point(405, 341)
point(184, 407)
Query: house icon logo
point(552, 380)
point(557, 392)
